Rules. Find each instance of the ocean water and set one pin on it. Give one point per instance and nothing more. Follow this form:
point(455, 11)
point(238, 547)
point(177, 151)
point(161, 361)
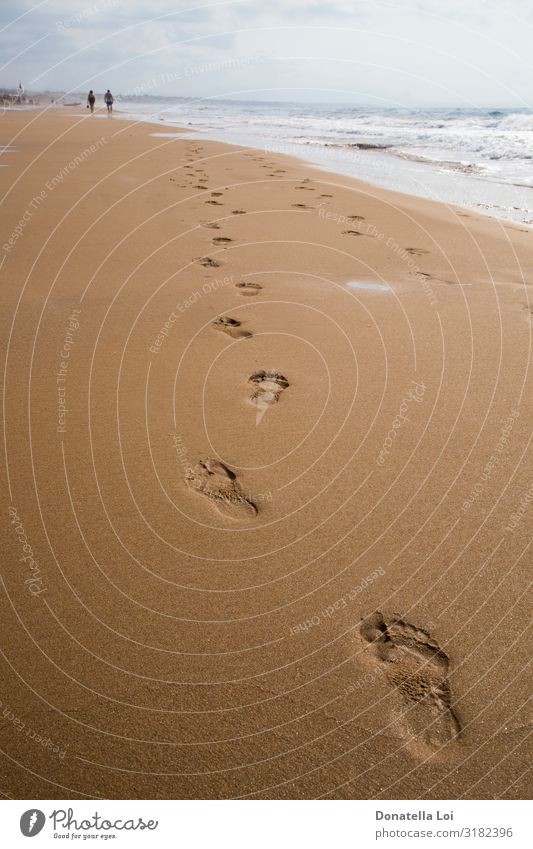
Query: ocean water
point(478, 158)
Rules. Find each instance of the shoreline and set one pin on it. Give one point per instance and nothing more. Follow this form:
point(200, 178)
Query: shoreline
point(234, 487)
point(320, 163)
point(389, 169)
point(333, 159)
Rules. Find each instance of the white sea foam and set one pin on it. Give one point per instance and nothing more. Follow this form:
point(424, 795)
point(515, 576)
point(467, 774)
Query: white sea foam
point(473, 148)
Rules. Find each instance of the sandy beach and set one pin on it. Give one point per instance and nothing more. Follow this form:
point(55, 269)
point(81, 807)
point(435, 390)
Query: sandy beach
point(268, 492)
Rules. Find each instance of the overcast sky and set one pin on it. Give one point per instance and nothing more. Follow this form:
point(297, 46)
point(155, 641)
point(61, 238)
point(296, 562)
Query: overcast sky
point(400, 52)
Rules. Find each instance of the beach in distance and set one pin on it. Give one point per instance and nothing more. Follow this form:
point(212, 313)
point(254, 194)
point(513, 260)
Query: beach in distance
point(268, 489)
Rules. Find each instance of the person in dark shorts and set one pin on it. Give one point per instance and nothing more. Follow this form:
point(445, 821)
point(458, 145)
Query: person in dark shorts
point(91, 100)
point(108, 97)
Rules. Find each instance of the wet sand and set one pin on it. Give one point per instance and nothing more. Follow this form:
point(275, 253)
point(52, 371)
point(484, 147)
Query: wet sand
point(268, 491)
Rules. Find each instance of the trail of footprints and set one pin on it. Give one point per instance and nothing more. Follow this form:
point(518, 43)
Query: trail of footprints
point(211, 478)
point(415, 665)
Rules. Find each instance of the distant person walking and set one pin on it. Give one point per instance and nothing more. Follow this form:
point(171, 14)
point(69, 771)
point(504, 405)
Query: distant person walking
point(108, 97)
point(91, 100)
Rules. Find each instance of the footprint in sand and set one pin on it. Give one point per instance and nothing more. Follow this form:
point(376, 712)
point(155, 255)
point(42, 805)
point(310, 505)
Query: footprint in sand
point(268, 386)
point(214, 202)
point(300, 206)
point(211, 225)
point(248, 288)
point(231, 326)
point(216, 194)
point(415, 251)
point(352, 233)
point(418, 668)
point(219, 484)
point(326, 196)
point(426, 276)
point(238, 212)
point(222, 240)
point(305, 188)
point(208, 262)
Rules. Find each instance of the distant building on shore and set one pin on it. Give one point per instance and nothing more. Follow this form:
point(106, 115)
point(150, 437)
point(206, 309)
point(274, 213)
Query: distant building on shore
point(15, 96)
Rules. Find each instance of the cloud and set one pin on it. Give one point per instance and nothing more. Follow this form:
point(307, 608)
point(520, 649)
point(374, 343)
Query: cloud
point(404, 51)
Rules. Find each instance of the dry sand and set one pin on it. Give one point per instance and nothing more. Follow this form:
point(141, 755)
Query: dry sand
point(269, 557)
